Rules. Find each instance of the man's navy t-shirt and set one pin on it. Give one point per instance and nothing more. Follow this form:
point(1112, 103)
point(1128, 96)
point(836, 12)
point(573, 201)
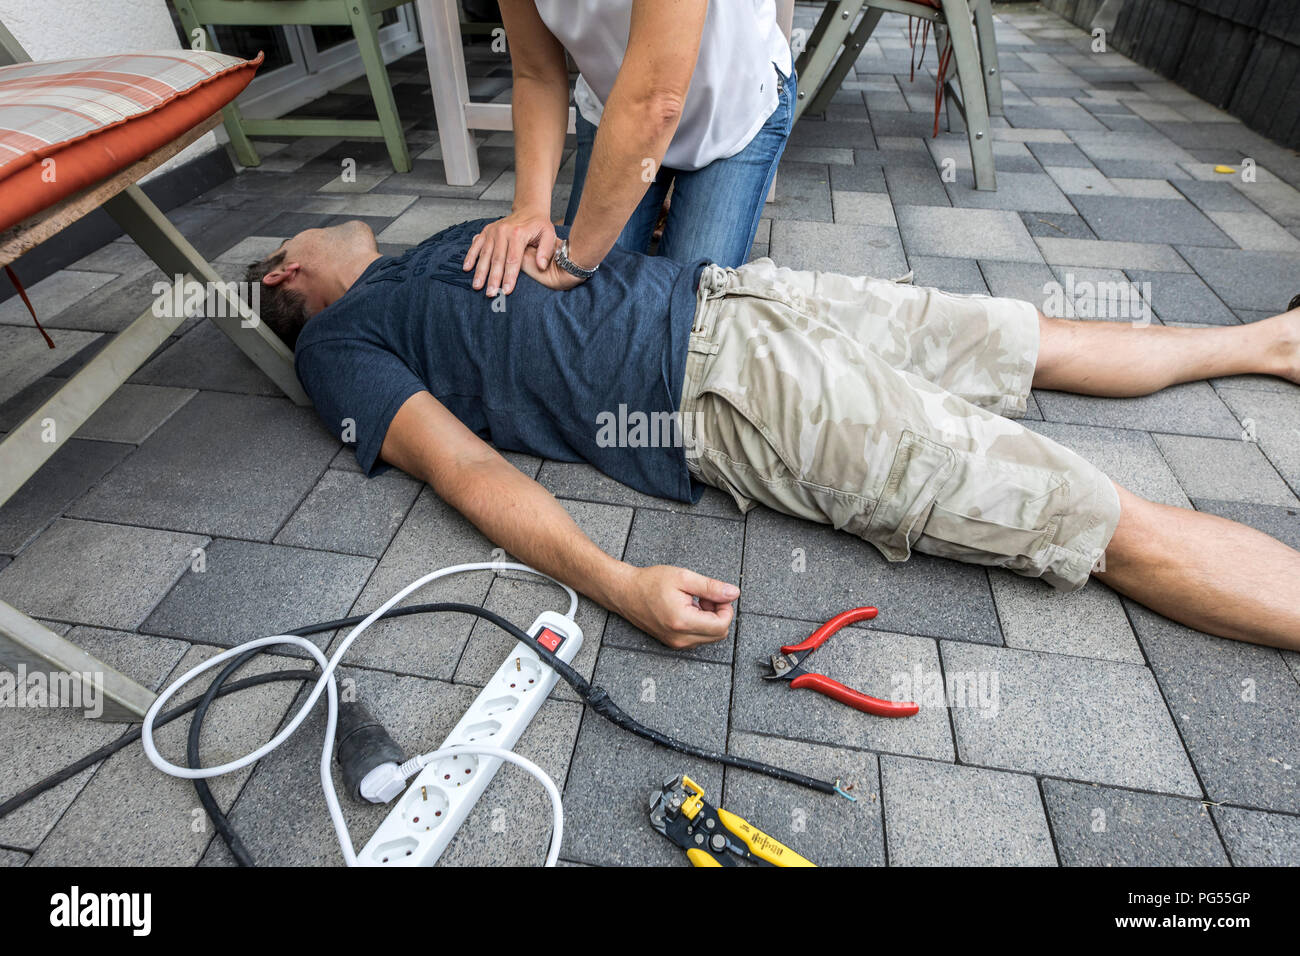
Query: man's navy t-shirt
point(539, 376)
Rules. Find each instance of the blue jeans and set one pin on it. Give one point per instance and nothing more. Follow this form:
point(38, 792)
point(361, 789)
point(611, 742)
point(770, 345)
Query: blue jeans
point(715, 210)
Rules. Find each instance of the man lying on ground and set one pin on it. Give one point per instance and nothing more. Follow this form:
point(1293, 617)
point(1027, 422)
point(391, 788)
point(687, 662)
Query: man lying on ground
point(877, 407)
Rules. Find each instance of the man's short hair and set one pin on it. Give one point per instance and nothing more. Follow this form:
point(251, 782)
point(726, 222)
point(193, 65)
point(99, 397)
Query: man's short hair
point(283, 310)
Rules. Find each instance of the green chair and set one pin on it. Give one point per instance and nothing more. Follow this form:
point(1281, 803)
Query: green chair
point(363, 16)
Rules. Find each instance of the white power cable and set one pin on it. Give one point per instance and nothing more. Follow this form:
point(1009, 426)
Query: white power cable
point(327, 682)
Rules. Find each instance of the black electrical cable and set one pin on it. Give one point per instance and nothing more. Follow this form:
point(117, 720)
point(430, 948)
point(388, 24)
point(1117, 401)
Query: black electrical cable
point(595, 697)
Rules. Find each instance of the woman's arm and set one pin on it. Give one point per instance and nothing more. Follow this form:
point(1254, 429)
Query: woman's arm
point(540, 117)
point(638, 122)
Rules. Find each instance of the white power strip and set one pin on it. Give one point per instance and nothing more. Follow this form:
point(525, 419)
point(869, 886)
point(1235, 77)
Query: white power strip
point(427, 816)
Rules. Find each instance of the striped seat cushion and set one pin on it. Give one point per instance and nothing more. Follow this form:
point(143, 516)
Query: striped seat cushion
point(68, 124)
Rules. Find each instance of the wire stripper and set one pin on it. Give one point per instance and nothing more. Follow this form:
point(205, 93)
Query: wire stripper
point(710, 835)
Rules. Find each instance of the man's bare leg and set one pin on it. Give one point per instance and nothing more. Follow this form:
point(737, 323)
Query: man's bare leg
point(1118, 359)
point(1206, 572)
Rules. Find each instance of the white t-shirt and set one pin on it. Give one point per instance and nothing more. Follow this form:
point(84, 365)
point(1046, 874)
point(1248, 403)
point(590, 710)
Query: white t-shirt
point(733, 90)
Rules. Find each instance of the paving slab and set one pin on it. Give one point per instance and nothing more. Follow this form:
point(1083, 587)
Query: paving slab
point(1273, 419)
point(1225, 469)
point(1281, 523)
point(247, 590)
point(827, 830)
point(193, 473)
point(805, 571)
point(1089, 720)
point(879, 663)
point(863, 209)
point(1052, 154)
point(131, 814)
point(1247, 279)
point(24, 356)
point(860, 177)
point(1236, 706)
point(134, 412)
point(36, 742)
point(1193, 408)
point(86, 572)
point(1129, 457)
point(1130, 219)
point(428, 215)
point(1212, 197)
point(966, 233)
point(838, 247)
point(50, 296)
point(1103, 826)
point(579, 481)
point(1020, 191)
point(613, 773)
point(1081, 180)
point(804, 193)
point(1027, 281)
point(520, 598)
point(1086, 623)
point(1153, 256)
point(1255, 838)
point(1183, 297)
point(950, 275)
point(916, 186)
point(350, 513)
point(708, 546)
point(1056, 224)
point(204, 358)
point(938, 814)
point(64, 478)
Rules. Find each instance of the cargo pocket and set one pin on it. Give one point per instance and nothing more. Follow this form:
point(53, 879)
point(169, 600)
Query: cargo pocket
point(921, 469)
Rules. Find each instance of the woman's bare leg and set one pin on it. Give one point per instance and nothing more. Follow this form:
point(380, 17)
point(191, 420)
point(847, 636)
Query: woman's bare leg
point(1206, 572)
point(1118, 359)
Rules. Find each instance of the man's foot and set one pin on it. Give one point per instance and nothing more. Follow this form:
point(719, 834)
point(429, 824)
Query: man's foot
point(1287, 343)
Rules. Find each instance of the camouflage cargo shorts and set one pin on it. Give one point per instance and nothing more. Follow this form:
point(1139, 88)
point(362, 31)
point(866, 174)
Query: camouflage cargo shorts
point(879, 408)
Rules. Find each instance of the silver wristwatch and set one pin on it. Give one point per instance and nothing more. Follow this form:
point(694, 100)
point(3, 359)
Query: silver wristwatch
point(564, 262)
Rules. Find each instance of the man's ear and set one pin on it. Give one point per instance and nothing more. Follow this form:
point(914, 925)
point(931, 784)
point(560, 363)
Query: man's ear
point(285, 272)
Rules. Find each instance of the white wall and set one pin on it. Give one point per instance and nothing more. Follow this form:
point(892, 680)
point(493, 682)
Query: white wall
point(55, 29)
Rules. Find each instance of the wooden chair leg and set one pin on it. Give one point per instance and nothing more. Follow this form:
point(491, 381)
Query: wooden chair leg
point(974, 103)
point(245, 152)
point(364, 26)
point(848, 56)
point(988, 45)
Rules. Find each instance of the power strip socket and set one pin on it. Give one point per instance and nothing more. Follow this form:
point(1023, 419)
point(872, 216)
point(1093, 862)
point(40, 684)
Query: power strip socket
point(427, 816)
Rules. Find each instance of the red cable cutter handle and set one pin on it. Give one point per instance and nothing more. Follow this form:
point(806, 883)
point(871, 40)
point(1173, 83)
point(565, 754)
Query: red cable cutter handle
point(858, 701)
point(818, 637)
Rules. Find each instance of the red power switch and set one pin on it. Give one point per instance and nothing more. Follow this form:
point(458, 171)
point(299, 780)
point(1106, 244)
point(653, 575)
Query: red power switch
point(549, 639)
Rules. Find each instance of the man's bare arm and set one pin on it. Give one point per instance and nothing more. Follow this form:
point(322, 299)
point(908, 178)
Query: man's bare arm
point(675, 605)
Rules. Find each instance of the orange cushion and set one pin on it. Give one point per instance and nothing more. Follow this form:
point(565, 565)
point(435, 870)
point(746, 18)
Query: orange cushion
point(95, 116)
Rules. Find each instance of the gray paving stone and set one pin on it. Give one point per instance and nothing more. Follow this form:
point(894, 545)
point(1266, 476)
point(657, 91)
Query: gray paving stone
point(1129, 219)
point(1129, 457)
point(350, 513)
point(708, 546)
point(1214, 197)
point(428, 215)
point(1183, 297)
point(229, 465)
point(134, 412)
point(520, 598)
point(835, 247)
point(13, 858)
point(1244, 749)
point(86, 572)
point(50, 296)
point(827, 830)
point(581, 482)
point(1086, 623)
point(1192, 408)
point(131, 814)
point(1091, 720)
point(1123, 168)
point(1102, 826)
point(1281, 523)
point(915, 186)
point(937, 814)
point(35, 743)
point(24, 356)
point(950, 275)
point(1157, 257)
point(433, 536)
point(1056, 224)
point(1225, 469)
point(1274, 419)
point(1081, 180)
point(803, 193)
point(1018, 280)
point(606, 798)
point(118, 303)
point(204, 358)
point(1056, 117)
point(966, 233)
point(1059, 154)
point(60, 481)
point(861, 177)
point(878, 663)
point(1255, 838)
point(831, 133)
point(928, 596)
point(248, 590)
point(1023, 192)
point(1247, 279)
point(863, 209)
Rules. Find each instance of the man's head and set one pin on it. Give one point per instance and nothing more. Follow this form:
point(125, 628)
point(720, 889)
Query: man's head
point(309, 272)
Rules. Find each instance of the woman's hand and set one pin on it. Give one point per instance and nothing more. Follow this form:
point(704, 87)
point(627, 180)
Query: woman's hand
point(498, 252)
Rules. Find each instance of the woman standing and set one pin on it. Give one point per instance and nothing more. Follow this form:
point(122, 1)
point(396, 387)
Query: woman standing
point(691, 94)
